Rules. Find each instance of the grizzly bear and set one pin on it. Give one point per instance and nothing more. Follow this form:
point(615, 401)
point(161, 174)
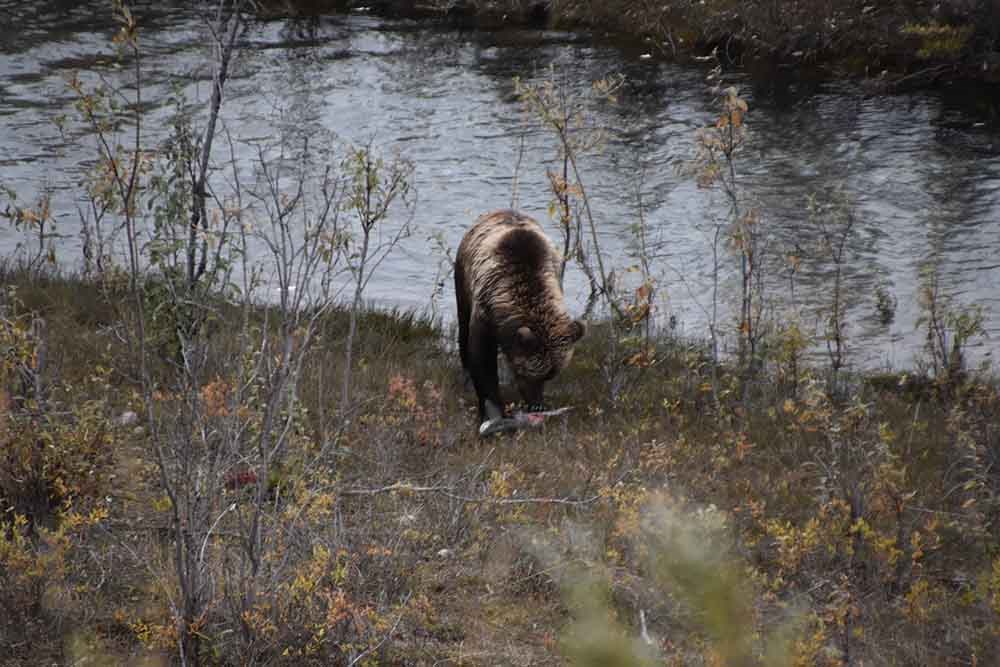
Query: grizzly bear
point(509, 297)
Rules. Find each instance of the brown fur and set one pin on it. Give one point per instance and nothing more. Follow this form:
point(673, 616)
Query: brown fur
point(508, 294)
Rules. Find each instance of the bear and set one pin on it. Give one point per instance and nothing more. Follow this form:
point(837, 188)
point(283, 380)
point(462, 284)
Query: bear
point(508, 296)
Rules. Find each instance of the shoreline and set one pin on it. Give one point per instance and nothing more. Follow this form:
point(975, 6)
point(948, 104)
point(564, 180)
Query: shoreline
point(439, 328)
point(887, 48)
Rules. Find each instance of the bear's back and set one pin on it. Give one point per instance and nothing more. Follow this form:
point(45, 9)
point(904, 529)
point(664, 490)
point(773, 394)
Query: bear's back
point(507, 247)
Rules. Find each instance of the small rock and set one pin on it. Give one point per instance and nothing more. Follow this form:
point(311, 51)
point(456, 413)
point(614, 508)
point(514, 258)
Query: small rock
point(127, 418)
point(446, 553)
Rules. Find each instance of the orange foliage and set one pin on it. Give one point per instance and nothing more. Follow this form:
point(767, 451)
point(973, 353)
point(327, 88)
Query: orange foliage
point(215, 396)
point(421, 407)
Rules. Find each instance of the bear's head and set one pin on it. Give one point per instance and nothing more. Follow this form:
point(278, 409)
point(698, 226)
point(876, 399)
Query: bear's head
point(537, 355)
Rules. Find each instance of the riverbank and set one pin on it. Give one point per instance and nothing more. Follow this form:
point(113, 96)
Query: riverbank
point(859, 521)
point(894, 45)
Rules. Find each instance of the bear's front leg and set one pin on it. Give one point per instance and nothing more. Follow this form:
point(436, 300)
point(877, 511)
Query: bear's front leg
point(464, 315)
point(482, 357)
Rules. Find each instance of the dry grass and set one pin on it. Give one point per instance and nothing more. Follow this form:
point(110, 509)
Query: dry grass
point(872, 522)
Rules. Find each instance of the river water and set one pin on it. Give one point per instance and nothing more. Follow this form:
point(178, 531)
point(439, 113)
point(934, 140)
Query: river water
point(920, 172)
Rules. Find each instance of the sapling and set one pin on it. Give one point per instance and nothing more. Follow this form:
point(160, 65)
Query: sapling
point(375, 187)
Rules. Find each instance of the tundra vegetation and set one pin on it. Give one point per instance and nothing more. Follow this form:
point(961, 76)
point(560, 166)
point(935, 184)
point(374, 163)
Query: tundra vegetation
point(186, 477)
point(897, 44)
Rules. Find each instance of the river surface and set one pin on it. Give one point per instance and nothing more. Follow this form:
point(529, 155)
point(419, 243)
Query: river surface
point(920, 171)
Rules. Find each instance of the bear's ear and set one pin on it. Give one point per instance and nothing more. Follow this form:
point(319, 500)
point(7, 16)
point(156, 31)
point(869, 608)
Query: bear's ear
point(527, 340)
point(577, 330)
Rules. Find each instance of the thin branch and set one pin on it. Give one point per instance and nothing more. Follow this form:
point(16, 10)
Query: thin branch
point(448, 492)
point(517, 174)
point(389, 634)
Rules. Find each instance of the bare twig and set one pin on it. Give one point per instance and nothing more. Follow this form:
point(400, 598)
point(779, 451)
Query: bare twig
point(233, 25)
point(448, 491)
point(389, 634)
point(515, 181)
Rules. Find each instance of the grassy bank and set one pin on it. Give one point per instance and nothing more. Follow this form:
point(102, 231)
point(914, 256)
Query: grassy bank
point(860, 526)
point(895, 44)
